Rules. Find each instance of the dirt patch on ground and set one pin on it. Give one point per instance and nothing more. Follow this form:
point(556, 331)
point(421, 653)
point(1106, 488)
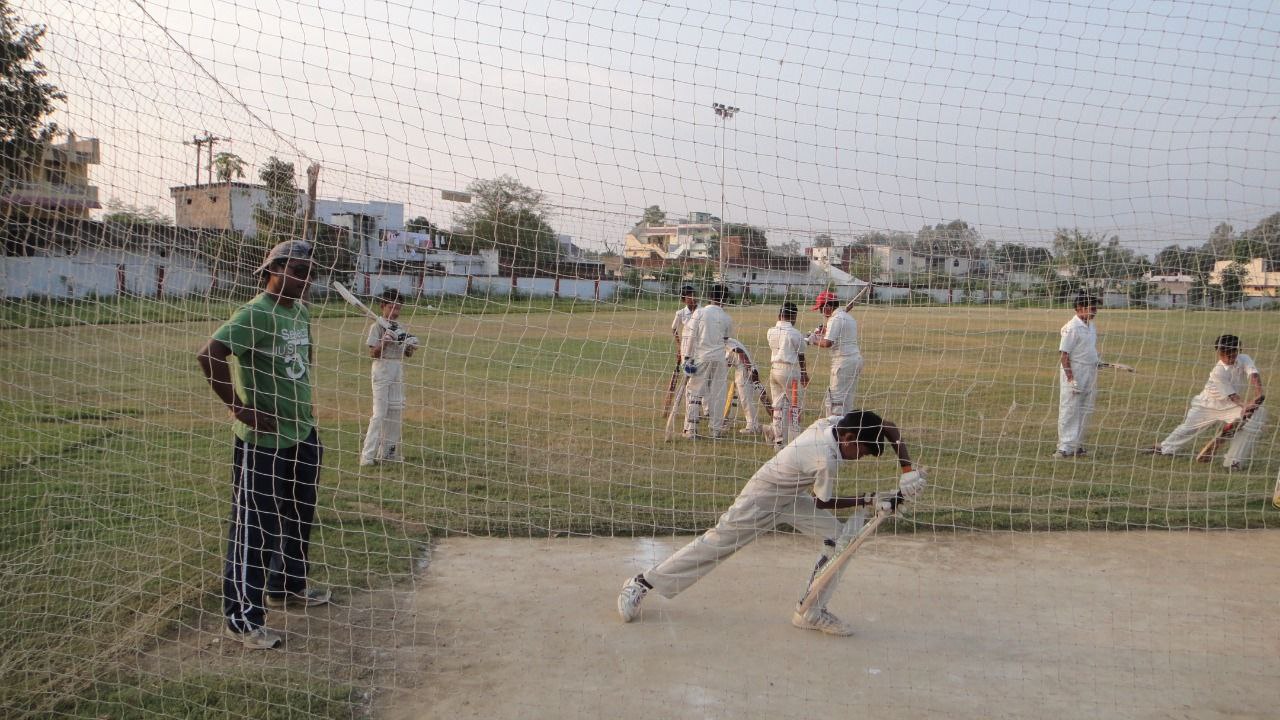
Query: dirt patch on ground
point(1064, 625)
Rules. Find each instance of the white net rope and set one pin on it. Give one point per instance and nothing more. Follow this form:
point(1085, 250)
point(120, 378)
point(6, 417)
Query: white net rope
point(538, 182)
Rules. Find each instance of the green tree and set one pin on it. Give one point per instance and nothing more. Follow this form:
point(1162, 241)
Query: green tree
point(510, 217)
point(653, 215)
point(228, 166)
point(27, 98)
point(118, 213)
point(823, 240)
point(1078, 252)
point(279, 219)
point(1232, 285)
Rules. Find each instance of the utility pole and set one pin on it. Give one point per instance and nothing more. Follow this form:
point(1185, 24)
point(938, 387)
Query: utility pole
point(210, 140)
point(725, 113)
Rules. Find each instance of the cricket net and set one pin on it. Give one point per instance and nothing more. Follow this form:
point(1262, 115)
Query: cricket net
point(538, 182)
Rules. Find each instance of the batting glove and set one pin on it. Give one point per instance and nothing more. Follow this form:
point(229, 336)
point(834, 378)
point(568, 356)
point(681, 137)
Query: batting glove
point(1075, 387)
point(690, 367)
point(912, 483)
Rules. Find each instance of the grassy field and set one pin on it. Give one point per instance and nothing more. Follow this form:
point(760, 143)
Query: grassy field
point(524, 419)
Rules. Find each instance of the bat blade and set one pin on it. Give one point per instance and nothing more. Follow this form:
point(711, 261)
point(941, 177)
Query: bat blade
point(351, 299)
point(865, 289)
point(675, 404)
point(831, 570)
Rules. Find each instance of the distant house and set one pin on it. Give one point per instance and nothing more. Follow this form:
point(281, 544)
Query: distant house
point(689, 239)
point(1262, 278)
point(901, 265)
point(57, 188)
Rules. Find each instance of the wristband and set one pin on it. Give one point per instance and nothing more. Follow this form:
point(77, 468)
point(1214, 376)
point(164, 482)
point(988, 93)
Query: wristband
point(906, 466)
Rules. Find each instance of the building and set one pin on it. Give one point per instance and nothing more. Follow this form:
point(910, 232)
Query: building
point(1262, 276)
point(57, 188)
point(902, 266)
point(680, 240)
point(231, 206)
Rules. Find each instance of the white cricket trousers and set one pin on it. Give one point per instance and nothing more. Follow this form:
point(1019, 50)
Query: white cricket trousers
point(845, 370)
point(747, 396)
point(707, 389)
point(759, 507)
point(1198, 418)
point(382, 440)
point(781, 377)
point(1074, 409)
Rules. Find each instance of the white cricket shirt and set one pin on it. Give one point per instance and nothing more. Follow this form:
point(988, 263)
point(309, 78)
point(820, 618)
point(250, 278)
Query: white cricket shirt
point(1225, 380)
point(707, 331)
point(786, 344)
point(842, 331)
point(1080, 343)
point(811, 460)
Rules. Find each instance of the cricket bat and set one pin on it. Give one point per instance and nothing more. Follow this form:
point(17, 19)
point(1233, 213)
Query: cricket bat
point(682, 385)
point(669, 404)
point(831, 570)
point(351, 298)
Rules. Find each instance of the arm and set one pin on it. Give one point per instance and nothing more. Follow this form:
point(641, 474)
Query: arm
point(1065, 360)
point(213, 363)
point(893, 438)
point(804, 372)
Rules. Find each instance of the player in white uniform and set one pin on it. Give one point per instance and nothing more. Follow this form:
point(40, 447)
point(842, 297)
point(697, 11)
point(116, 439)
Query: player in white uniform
point(388, 349)
point(1078, 377)
point(786, 368)
point(747, 377)
point(796, 487)
point(703, 352)
point(1223, 400)
point(840, 333)
point(689, 297)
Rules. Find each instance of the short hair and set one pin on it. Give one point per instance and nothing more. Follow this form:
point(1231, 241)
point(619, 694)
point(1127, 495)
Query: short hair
point(1227, 343)
point(688, 291)
point(1086, 300)
point(718, 293)
point(391, 295)
point(868, 426)
point(788, 309)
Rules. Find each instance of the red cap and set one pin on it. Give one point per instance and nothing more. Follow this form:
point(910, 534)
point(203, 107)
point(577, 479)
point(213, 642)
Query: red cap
point(824, 297)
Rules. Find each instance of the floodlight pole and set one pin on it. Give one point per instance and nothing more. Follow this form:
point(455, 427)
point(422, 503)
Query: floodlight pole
point(725, 113)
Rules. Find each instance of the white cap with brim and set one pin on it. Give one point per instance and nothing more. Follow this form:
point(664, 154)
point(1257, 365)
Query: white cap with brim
point(287, 250)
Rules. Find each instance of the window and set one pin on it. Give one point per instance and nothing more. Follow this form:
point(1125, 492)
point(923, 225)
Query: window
point(899, 261)
point(955, 263)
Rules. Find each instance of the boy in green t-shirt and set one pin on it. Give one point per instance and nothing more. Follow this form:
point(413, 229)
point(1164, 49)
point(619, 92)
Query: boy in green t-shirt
point(276, 462)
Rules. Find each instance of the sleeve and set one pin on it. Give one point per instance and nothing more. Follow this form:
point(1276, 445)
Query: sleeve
point(675, 323)
point(1068, 342)
point(375, 335)
point(240, 333)
point(1249, 367)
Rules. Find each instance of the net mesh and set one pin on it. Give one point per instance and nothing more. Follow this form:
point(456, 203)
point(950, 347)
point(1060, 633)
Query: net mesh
point(538, 183)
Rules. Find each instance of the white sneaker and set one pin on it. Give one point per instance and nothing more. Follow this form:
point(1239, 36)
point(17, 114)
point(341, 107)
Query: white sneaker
point(255, 639)
point(769, 434)
point(367, 463)
point(689, 435)
point(750, 430)
point(822, 621)
point(629, 599)
point(311, 597)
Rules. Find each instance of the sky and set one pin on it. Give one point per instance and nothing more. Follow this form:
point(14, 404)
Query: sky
point(1150, 121)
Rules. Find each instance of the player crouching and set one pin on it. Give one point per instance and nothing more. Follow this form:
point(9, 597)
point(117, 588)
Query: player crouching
point(795, 487)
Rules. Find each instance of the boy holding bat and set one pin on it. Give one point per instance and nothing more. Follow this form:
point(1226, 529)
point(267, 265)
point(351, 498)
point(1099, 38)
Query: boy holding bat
point(1224, 400)
point(796, 487)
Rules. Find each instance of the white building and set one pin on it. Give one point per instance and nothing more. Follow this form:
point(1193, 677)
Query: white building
point(681, 240)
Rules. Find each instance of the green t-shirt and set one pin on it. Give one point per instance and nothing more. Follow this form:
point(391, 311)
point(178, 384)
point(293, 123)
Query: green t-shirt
point(272, 347)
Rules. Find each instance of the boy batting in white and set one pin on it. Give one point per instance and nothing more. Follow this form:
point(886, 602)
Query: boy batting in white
point(796, 487)
point(1224, 399)
point(388, 348)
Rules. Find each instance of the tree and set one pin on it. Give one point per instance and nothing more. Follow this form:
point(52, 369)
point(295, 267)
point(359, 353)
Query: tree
point(26, 98)
point(118, 213)
point(955, 238)
point(278, 220)
point(510, 217)
point(228, 166)
point(1078, 252)
point(1174, 260)
point(1233, 277)
point(822, 240)
point(653, 215)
